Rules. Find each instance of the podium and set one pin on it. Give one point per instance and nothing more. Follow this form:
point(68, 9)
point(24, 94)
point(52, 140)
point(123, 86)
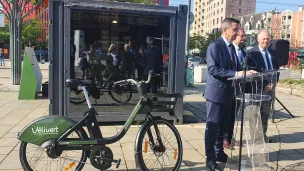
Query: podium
point(250, 146)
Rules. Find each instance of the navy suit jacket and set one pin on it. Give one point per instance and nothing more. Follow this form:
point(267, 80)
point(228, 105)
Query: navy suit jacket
point(153, 60)
point(256, 61)
point(218, 87)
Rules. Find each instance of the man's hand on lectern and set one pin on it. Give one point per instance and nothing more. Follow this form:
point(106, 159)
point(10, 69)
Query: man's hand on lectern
point(269, 87)
point(248, 73)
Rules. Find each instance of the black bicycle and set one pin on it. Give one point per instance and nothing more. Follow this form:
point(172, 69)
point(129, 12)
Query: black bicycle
point(120, 93)
point(59, 143)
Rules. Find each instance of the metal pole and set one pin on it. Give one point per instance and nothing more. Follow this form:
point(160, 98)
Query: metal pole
point(162, 44)
point(188, 28)
point(15, 54)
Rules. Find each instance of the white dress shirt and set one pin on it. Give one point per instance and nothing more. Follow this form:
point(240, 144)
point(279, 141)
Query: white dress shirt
point(239, 53)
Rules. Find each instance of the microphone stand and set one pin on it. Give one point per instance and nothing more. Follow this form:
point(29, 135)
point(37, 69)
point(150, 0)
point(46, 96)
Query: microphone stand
point(244, 65)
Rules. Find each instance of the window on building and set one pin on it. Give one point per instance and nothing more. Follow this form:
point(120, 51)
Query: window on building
point(221, 19)
point(289, 17)
point(218, 11)
point(258, 26)
point(284, 18)
point(214, 5)
point(203, 17)
point(213, 12)
point(218, 3)
point(222, 10)
point(282, 36)
point(203, 10)
point(246, 27)
point(289, 26)
point(240, 10)
point(288, 36)
point(217, 20)
point(213, 21)
point(222, 1)
point(284, 27)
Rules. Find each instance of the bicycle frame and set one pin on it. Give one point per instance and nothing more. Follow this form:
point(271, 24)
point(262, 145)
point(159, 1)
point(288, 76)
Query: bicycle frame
point(95, 134)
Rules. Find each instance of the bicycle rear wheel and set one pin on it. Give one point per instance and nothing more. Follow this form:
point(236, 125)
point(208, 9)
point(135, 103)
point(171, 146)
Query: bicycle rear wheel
point(151, 156)
point(33, 157)
point(120, 93)
point(77, 96)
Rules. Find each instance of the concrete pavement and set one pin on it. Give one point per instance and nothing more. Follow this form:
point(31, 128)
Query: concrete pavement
point(14, 115)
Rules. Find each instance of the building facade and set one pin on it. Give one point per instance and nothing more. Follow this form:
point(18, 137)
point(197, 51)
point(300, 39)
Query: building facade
point(291, 27)
point(286, 25)
point(208, 14)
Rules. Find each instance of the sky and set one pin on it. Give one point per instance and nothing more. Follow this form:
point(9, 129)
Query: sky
point(262, 5)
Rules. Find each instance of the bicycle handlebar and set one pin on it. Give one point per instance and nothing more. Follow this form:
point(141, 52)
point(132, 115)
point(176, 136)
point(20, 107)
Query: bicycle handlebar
point(136, 82)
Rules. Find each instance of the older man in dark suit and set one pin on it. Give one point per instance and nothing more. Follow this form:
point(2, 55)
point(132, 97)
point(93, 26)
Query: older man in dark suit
point(264, 59)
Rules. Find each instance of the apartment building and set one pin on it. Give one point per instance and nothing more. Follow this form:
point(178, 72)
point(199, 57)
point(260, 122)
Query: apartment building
point(208, 14)
point(291, 27)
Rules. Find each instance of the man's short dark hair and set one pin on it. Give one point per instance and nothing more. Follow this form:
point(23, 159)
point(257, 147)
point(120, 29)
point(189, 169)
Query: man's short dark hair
point(227, 23)
point(152, 42)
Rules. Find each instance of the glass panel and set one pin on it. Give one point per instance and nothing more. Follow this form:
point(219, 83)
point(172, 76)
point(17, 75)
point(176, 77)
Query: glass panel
point(109, 47)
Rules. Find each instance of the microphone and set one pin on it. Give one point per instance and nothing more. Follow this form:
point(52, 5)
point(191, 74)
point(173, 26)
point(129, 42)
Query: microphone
point(242, 46)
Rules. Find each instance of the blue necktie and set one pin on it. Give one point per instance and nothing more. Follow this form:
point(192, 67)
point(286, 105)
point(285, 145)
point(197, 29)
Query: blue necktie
point(267, 59)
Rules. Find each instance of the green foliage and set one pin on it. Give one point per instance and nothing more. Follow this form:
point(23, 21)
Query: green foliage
point(293, 81)
point(4, 34)
point(197, 42)
point(202, 42)
point(31, 32)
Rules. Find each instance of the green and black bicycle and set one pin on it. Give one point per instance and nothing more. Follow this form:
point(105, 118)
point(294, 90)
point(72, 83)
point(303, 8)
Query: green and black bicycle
point(59, 143)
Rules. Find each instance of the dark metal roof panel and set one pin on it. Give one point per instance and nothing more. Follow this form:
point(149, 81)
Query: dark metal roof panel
point(122, 6)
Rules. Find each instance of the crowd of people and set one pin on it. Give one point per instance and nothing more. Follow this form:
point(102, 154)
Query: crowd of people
point(225, 60)
point(128, 62)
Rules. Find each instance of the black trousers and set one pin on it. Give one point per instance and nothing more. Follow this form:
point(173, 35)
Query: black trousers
point(152, 85)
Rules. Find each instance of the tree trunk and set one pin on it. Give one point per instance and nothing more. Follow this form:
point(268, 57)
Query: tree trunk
point(15, 46)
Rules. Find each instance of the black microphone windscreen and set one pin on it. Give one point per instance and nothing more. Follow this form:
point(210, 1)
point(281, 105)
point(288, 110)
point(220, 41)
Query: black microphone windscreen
point(241, 45)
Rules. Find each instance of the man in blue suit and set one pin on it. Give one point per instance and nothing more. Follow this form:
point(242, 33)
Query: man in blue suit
point(222, 64)
point(241, 54)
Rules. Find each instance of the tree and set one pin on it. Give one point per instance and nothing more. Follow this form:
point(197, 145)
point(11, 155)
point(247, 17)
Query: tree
point(202, 42)
point(276, 26)
point(4, 34)
point(15, 11)
point(196, 42)
point(31, 32)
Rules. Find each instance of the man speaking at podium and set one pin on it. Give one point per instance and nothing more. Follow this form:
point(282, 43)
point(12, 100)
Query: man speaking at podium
point(265, 60)
point(222, 64)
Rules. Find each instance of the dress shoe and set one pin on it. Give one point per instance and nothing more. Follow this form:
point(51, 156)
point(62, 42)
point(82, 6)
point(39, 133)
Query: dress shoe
point(212, 165)
point(221, 157)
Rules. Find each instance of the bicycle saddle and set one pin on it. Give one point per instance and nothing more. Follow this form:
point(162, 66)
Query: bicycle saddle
point(75, 82)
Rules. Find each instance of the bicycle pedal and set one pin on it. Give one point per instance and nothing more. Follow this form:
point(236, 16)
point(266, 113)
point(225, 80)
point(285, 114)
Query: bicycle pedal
point(118, 163)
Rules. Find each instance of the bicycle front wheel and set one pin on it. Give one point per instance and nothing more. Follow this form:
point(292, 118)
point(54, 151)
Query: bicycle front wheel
point(33, 157)
point(151, 156)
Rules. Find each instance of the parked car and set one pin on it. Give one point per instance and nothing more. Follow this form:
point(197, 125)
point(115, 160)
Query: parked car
point(194, 61)
point(43, 54)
